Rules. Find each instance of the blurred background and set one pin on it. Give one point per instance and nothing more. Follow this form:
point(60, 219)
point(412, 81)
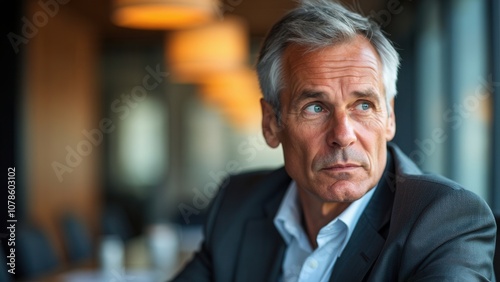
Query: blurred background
point(122, 120)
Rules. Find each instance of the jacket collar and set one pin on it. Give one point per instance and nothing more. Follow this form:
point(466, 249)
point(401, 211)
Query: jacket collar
point(371, 231)
point(262, 247)
point(369, 236)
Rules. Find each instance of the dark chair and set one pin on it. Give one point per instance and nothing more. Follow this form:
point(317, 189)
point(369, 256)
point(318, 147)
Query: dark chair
point(35, 254)
point(115, 221)
point(77, 241)
point(4, 267)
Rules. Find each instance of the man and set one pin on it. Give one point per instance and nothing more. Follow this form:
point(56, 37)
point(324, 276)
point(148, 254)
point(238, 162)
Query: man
point(348, 205)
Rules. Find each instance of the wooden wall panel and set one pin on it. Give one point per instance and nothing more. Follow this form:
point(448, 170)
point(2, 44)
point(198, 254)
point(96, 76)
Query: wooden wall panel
point(61, 100)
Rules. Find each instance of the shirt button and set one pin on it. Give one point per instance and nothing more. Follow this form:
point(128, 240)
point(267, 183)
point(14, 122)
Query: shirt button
point(313, 263)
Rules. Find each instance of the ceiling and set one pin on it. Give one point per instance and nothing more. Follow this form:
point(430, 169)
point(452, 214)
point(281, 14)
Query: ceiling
point(260, 15)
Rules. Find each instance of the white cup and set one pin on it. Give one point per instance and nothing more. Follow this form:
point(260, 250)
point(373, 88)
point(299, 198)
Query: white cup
point(163, 242)
point(111, 254)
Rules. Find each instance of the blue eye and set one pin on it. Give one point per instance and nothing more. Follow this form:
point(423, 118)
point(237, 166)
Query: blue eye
point(364, 106)
point(314, 108)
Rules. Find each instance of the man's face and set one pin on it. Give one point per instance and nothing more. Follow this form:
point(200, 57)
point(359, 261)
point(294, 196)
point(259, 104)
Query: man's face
point(335, 122)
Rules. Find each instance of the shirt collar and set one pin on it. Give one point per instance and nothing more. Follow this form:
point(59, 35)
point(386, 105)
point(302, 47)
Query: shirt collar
point(349, 218)
point(288, 218)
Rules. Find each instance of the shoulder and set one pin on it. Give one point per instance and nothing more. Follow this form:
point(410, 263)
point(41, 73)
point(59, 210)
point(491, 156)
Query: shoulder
point(242, 197)
point(419, 194)
point(247, 178)
point(436, 198)
point(431, 187)
point(246, 192)
point(411, 183)
point(426, 190)
point(252, 187)
point(430, 183)
point(436, 220)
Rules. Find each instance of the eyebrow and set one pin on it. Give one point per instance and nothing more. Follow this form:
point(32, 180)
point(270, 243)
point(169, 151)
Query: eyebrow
point(311, 94)
point(308, 94)
point(369, 93)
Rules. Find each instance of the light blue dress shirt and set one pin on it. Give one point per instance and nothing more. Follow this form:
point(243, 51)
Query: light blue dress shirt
point(301, 262)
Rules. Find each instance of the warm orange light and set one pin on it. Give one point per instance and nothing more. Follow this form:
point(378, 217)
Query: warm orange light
point(236, 95)
point(219, 47)
point(235, 86)
point(163, 14)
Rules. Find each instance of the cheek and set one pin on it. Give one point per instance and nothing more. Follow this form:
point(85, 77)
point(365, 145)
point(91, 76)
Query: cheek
point(374, 122)
point(372, 136)
point(300, 142)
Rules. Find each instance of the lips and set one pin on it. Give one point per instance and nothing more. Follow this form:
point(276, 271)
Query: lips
point(347, 166)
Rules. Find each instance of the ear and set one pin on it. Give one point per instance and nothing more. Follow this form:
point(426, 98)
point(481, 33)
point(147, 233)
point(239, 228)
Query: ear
point(270, 127)
point(391, 123)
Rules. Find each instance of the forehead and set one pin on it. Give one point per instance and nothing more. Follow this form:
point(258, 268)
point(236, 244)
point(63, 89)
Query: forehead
point(355, 58)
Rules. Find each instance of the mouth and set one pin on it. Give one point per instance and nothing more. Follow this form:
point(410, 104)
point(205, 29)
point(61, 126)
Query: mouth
point(342, 167)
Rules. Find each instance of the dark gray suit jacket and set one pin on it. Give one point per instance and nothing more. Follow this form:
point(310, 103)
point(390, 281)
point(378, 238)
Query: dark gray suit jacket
point(417, 227)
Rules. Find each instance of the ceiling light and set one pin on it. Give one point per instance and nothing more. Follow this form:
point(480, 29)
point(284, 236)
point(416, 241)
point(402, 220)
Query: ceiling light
point(163, 14)
point(218, 47)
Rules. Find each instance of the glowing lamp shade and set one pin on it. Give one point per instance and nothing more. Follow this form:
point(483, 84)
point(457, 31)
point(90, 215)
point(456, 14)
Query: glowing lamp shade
point(236, 95)
point(163, 14)
point(215, 48)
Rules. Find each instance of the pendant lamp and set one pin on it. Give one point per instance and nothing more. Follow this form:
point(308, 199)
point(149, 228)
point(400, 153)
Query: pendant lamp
point(163, 14)
point(219, 47)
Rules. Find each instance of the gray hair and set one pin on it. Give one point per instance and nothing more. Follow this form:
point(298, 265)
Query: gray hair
point(316, 24)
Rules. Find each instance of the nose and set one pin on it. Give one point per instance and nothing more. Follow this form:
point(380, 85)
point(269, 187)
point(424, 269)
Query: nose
point(341, 132)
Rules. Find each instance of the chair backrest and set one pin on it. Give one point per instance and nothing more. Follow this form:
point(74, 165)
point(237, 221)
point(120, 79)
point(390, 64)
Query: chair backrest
point(77, 240)
point(4, 267)
point(35, 253)
point(115, 222)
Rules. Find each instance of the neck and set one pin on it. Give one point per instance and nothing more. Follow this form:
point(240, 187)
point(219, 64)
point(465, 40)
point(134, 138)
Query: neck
point(317, 213)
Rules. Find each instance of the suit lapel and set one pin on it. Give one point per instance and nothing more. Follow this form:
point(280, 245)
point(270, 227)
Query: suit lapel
point(262, 248)
point(369, 235)
point(358, 258)
point(261, 254)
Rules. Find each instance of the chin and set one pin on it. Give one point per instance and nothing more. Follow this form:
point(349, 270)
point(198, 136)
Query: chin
point(344, 191)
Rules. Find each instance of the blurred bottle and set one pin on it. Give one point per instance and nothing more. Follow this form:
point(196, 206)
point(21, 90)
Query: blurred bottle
point(163, 242)
point(111, 256)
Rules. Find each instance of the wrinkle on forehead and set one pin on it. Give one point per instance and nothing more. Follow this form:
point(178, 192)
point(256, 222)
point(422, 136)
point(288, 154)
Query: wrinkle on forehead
point(330, 71)
point(354, 60)
point(352, 66)
point(331, 64)
point(334, 61)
